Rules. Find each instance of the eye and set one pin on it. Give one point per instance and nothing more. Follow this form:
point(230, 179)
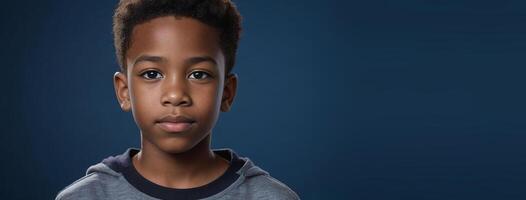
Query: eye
point(199, 75)
point(151, 74)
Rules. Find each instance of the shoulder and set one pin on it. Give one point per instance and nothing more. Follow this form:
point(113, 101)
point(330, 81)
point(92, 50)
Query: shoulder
point(90, 186)
point(268, 187)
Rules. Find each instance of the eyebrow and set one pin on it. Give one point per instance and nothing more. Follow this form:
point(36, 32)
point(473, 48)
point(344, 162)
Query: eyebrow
point(189, 61)
point(149, 58)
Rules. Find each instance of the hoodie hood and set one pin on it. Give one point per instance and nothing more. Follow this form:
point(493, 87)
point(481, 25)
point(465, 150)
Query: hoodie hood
point(121, 166)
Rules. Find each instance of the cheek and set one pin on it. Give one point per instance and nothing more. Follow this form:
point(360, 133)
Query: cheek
point(207, 99)
point(143, 103)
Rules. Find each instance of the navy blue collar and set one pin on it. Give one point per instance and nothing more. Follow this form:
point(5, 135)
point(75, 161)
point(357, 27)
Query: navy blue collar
point(123, 164)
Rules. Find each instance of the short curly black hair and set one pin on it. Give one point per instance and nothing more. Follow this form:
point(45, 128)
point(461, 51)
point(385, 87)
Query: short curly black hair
point(220, 14)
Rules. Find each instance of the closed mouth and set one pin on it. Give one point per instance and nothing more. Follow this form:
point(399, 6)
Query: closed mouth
point(175, 123)
point(175, 119)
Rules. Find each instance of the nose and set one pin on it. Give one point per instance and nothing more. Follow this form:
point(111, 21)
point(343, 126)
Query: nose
point(175, 92)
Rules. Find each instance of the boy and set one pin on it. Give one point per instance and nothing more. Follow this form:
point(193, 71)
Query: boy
point(176, 58)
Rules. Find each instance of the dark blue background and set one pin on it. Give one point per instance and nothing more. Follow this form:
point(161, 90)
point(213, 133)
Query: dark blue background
point(338, 99)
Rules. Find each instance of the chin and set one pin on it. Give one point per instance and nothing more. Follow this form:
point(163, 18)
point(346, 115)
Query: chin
point(176, 145)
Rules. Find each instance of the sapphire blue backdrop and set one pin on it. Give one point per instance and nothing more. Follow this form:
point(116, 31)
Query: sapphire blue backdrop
point(339, 99)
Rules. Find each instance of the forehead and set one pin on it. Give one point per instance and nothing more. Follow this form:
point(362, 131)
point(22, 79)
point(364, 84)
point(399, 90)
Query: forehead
point(175, 39)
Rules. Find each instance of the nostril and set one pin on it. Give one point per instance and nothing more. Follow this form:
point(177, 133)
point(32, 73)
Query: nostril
point(182, 103)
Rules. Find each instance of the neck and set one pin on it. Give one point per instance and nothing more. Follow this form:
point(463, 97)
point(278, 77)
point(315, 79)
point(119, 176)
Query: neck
point(195, 167)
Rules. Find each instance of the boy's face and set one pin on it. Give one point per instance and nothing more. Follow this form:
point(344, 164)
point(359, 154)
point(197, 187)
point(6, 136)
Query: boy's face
point(175, 82)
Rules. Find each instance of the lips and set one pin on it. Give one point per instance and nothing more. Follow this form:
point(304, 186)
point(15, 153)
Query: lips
point(175, 123)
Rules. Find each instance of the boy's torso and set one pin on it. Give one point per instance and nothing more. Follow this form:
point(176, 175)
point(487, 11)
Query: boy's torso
point(116, 178)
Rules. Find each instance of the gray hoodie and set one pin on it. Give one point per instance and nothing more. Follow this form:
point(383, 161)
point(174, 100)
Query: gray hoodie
point(116, 178)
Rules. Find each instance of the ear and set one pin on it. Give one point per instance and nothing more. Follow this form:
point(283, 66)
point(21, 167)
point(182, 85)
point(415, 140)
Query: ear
point(229, 92)
point(120, 82)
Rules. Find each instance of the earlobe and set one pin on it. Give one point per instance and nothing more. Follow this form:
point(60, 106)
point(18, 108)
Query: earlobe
point(229, 92)
point(125, 106)
point(121, 90)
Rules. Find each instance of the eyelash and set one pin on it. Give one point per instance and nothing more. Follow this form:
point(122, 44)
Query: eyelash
point(206, 74)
